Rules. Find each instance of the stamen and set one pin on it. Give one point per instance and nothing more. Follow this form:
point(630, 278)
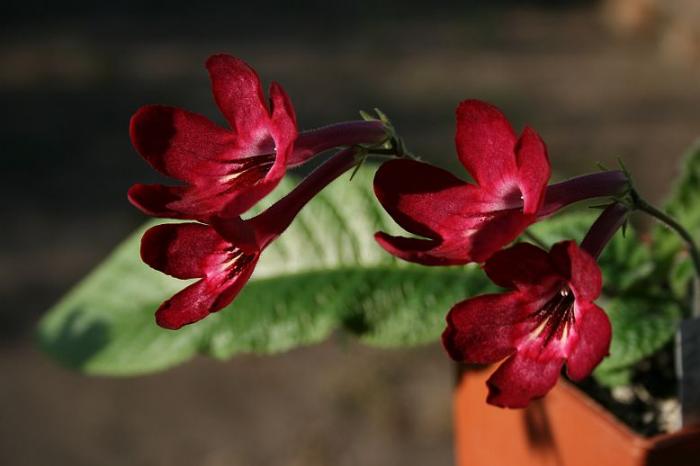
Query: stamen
point(555, 317)
point(235, 261)
point(250, 169)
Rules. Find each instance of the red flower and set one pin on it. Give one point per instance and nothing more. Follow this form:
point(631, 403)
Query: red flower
point(223, 255)
point(466, 222)
point(222, 168)
point(547, 319)
point(192, 250)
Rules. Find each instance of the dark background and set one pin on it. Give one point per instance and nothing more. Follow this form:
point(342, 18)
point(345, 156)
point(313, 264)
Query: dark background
point(597, 80)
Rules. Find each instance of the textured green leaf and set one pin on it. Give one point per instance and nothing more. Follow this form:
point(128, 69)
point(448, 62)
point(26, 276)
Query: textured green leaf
point(683, 204)
point(641, 326)
point(614, 377)
point(325, 273)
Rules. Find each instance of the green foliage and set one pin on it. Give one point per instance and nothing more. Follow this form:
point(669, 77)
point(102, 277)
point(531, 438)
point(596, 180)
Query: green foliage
point(683, 204)
point(641, 326)
point(325, 273)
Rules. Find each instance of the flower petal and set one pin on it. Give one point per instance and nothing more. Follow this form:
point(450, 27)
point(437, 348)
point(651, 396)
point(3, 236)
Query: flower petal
point(239, 95)
point(521, 266)
point(485, 145)
point(182, 144)
point(155, 199)
point(202, 298)
point(183, 250)
point(463, 222)
point(533, 170)
point(582, 270)
point(283, 131)
point(593, 333)
point(186, 202)
point(422, 198)
point(487, 328)
point(414, 250)
point(494, 232)
point(523, 378)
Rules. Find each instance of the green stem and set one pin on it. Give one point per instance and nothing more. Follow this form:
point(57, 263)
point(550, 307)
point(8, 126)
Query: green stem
point(645, 207)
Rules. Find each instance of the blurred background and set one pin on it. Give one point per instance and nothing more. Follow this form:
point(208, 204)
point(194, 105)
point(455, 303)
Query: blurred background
point(598, 80)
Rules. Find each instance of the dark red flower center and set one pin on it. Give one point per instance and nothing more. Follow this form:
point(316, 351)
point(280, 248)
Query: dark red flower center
point(236, 261)
point(248, 171)
point(554, 318)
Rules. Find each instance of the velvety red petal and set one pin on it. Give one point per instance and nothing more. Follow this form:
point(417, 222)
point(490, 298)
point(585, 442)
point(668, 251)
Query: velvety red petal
point(183, 250)
point(422, 198)
point(153, 199)
point(593, 332)
point(283, 131)
point(202, 298)
point(487, 328)
point(463, 223)
point(584, 274)
point(237, 231)
point(533, 170)
point(186, 202)
point(239, 95)
point(413, 249)
point(522, 265)
point(494, 233)
point(181, 144)
point(522, 378)
point(476, 243)
point(485, 145)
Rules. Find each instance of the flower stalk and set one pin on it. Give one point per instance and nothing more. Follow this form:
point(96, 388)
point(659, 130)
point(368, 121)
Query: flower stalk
point(643, 206)
point(601, 184)
point(349, 133)
point(275, 219)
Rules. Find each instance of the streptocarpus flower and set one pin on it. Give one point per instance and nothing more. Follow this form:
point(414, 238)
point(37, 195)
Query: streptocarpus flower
point(195, 250)
point(464, 222)
point(229, 170)
point(548, 319)
point(223, 255)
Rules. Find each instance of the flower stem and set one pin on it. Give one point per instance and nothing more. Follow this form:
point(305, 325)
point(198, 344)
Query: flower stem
point(641, 204)
point(644, 206)
point(601, 184)
point(349, 133)
point(275, 219)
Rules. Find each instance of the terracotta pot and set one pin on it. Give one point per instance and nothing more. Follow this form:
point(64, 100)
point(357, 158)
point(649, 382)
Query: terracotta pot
point(566, 428)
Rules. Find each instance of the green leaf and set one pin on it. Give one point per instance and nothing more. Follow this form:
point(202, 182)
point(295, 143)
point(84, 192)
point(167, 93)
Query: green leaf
point(325, 273)
point(683, 204)
point(614, 377)
point(641, 326)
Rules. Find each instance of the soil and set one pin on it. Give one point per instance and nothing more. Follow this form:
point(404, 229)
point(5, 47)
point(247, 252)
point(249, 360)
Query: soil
point(649, 404)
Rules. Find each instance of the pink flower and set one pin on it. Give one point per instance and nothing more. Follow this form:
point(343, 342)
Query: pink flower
point(228, 170)
point(546, 320)
point(466, 222)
